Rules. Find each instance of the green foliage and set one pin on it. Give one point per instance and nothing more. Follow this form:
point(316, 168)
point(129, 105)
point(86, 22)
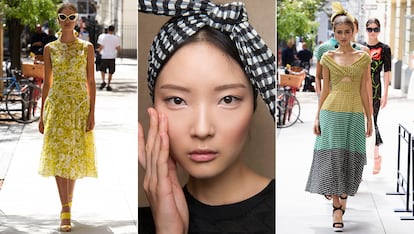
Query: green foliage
point(297, 18)
point(30, 12)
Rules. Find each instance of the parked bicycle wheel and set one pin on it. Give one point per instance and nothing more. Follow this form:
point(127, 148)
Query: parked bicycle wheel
point(24, 106)
point(16, 103)
point(289, 111)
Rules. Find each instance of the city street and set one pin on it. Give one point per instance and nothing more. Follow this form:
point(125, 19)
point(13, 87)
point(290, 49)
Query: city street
point(370, 211)
point(30, 203)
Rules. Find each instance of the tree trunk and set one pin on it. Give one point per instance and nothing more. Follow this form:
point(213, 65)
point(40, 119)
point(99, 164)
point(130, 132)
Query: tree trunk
point(15, 29)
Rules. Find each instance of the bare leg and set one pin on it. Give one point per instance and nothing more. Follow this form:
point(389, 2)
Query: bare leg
point(109, 79)
point(337, 213)
point(377, 161)
point(65, 188)
point(70, 191)
point(103, 76)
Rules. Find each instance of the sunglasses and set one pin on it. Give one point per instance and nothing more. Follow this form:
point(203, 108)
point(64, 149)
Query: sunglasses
point(71, 17)
point(373, 30)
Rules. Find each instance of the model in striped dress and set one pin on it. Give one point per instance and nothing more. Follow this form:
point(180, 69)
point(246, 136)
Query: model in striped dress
point(339, 152)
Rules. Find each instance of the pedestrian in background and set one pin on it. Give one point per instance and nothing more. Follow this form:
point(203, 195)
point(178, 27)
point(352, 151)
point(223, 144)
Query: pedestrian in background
point(305, 56)
point(201, 119)
point(50, 36)
point(98, 55)
point(289, 54)
point(37, 41)
point(68, 111)
point(339, 154)
point(109, 45)
point(381, 59)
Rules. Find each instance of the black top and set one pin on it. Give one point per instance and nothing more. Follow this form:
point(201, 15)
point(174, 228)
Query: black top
point(38, 37)
point(305, 55)
point(254, 215)
point(380, 57)
point(288, 56)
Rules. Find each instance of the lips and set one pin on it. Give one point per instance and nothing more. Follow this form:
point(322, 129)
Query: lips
point(203, 155)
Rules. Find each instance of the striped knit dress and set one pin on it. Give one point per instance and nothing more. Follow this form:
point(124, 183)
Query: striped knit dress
point(339, 152)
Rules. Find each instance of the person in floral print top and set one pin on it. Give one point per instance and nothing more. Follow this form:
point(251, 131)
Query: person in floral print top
point(381, 58)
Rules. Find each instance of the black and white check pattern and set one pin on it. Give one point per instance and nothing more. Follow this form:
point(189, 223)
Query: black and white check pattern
point(189, 16)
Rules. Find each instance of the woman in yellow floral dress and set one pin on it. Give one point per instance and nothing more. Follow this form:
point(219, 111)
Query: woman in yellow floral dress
point(67, 116)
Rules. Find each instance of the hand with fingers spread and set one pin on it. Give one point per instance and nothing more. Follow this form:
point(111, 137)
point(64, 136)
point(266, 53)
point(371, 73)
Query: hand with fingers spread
point(161, 185)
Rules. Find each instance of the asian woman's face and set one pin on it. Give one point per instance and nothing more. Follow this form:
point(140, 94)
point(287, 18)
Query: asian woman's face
point(208, 101)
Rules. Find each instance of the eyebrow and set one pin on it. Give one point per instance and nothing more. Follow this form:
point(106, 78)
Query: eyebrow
point(230, 86)
point(218, 88)
point(174, 87)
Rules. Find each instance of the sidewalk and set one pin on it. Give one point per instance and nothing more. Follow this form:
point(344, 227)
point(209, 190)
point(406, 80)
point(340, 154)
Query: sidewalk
point(371, 211)
point(29, 203)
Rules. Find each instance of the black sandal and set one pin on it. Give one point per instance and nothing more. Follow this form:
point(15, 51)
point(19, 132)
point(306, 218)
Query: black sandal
point(338, 226)
point(328, 197)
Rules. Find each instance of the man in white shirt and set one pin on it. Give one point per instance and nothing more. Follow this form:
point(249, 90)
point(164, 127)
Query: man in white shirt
point(109, 45)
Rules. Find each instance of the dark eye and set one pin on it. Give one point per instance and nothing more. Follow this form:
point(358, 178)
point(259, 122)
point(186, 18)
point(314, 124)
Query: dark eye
point(175, 101)
point(228, 99)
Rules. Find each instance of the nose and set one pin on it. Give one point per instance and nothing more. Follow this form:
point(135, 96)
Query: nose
point(202, 124)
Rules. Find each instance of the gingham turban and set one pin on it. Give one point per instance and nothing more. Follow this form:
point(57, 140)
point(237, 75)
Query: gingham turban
point(189, 16)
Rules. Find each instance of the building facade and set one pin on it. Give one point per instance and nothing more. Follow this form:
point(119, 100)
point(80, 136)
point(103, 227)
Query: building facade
point(95, 15)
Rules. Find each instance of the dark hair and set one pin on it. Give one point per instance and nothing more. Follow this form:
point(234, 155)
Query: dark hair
point(223, 42)
point(343, 19)
point(111, 28)
point(373, 21)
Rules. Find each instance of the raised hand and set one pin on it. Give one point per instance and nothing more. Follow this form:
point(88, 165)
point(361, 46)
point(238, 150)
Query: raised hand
point(161, 185)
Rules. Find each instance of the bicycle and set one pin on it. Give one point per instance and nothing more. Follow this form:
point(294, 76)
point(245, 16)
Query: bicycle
point(288, 106)
point(22, 97)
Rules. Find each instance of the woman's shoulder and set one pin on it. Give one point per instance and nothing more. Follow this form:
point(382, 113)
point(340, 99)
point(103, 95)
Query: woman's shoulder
point(328, 54)
point(85, 43)
point(52, 44)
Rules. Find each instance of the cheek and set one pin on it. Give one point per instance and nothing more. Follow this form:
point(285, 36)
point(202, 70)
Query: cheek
point(235, 129)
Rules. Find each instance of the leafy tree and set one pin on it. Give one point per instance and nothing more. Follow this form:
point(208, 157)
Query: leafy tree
point(19, 13)
point(297, 18)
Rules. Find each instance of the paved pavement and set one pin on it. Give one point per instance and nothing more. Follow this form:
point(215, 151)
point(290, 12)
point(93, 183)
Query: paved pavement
point(29, 203)
point(370, 211)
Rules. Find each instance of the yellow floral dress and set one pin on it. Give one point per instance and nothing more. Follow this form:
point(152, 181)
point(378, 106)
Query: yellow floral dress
point(68, 150)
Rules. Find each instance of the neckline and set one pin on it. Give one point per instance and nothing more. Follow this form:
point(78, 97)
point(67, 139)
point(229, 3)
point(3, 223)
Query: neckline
point(350, 65)
point(71, 42)
point(374, 45)
point(266, 189)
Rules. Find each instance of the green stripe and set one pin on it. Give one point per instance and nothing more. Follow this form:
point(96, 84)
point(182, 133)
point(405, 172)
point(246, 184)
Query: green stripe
point(341, 130)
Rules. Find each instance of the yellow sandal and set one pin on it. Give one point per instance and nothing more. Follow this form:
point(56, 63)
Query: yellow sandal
point(65, 216)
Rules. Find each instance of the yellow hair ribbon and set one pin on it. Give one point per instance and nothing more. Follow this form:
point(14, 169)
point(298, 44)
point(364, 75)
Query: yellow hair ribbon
point(338, 9)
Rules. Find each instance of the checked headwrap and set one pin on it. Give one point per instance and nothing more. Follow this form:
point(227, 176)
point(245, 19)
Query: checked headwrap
point(189, 16)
